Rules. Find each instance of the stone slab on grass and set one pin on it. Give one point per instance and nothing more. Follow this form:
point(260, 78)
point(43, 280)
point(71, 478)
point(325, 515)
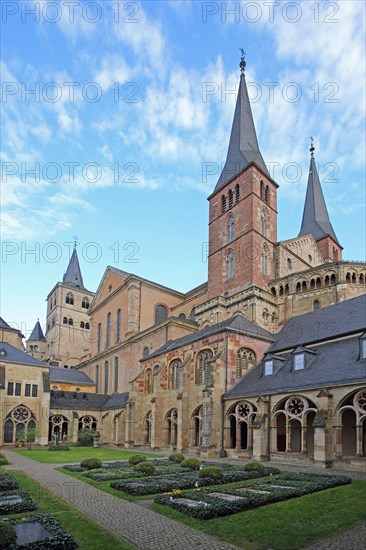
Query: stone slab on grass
point(30, 532)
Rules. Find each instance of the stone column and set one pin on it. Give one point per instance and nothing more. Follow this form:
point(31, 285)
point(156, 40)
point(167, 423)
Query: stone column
point(304, 430)
point(359, 449)
point(133, 315)
point(338, 441)
point(130, 419)
point(207, 449)
point(288, 437)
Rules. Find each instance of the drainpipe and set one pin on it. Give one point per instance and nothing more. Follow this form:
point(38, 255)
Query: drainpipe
point(223, 453)
point(269, 428)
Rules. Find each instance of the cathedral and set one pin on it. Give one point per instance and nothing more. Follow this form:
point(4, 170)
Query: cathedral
point(266, 360)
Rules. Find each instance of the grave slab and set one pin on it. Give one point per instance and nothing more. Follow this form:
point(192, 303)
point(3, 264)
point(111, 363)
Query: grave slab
point(225, 496)
point(31, 531)
point(10, 499)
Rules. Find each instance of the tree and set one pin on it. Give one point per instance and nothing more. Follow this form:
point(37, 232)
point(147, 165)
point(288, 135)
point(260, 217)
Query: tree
point(27, 436)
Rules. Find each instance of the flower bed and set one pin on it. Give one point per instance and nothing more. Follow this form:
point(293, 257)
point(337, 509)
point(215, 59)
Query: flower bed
point(185, 481)
point(203, 505)
point(25, 505)
point(8, 482)
point(59, 539)
point(108, 474)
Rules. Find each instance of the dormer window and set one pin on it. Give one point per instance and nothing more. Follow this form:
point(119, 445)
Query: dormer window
point(268, 367)
point(2, 352)
point(362, 347)
point(299, 361)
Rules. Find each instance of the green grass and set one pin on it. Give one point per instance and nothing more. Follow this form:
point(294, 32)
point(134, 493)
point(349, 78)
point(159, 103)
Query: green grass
point(88, 534)
point(76, 454)
point(282, 526)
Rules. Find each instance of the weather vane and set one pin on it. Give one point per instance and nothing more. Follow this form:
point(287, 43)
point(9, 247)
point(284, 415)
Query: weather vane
point(312, 148)
point(75, 240)
point(242, 60)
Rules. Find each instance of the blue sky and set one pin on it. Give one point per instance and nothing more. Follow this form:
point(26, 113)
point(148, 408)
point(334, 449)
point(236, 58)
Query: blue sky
point(133, 102)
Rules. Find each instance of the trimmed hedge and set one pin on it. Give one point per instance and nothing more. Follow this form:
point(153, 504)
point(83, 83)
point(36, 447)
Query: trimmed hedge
point(91, 463)
point(136, 459)
point(4, 461)
point(107, 474)
point(59, 539)
point(250, 466)
point(176, 457)
point(191, 463)
point(269, 491)
point(74, 468)
point(26, 505)
point(8, 482)
point(145, 468)
point(58, 448)
point(185, 481)
point(213, 472)
point(8, 535)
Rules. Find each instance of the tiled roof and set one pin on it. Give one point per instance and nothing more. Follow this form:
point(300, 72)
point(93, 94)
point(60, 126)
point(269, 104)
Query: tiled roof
point(58, 374)
point(15, 355)
point(37, 334)
point(87, 401)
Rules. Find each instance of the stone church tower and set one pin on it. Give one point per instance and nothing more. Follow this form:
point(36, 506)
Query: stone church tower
point(68, 323)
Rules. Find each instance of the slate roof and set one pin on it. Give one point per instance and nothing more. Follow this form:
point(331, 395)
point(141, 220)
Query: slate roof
point(334, 363)
point(315, 219)
point(4, 324)
point(243, 144)
point(237, 323)
point(15, 355)
point(87, 401)
point(58, 374)
point(330, 322)
point(37, 334)
point(73, 274)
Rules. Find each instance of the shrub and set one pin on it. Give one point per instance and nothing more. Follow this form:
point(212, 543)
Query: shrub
point(256, 466)
point(8, 482)
point(136, 459)
point(176, 457)
point(85, 437)
point(213, 472)
point(145, 467)
point(3, 461)
point(8, 535)
point(191, 463)
point(91, 463)
point(25, 505)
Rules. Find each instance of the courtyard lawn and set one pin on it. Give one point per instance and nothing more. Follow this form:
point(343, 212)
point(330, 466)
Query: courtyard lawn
point(77, 454)
point(282, 526)
point(88, 534)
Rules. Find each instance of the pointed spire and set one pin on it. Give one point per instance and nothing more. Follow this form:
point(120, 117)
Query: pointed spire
point(73, 273)
point(243, 145)
point(37, 333)
point(315, 219)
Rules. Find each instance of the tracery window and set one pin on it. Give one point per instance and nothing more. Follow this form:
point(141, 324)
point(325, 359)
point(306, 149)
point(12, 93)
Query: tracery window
point(202, 366)
point(245, 358)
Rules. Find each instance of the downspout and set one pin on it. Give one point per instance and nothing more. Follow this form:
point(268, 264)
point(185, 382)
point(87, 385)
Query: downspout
point(269, 428)
point(223, 453)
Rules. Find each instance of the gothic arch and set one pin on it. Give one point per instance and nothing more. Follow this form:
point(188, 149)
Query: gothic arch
point(196, 427)
point(293, 424)
point(350, 425)
point(19, 418)
point(171, 428)
point(239, 426)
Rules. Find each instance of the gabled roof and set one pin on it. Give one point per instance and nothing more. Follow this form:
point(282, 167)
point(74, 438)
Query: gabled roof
point(15, 355)
point(73, 274)
point(330, 322)
point(315, 219)
point(37, 334)
point(243, 145)
point(334, 363)
point(237, 323)
point(87, 401)
point(58, 374)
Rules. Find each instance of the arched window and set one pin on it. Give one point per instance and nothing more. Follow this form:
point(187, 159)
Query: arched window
point(264, 223)
point(108, 333)
point(245, 359)
point(148, 381)
point(237, 192)
point(231, 198)
point(230, 265)
point(65, 321)
point(316, 304)
point(261, 190)
point(70, 298)
point(106, 377)
point(202, 365)
point(192, 314)
point(171, 428)
point(230, 228)
point(87, 422)
point(85, 303)
point(118, 326)
point(71, 322)
point(145, 352)
point(87, 326)
point(289, 264)
point(161, 314)
point(97, 378)
point(82, 324)
point(116, 368)
point(264, 259)
point(99, 337)
point(266, 194)
point(175, 374)
point(223, 203)
point(20, 418)
point(182, 316)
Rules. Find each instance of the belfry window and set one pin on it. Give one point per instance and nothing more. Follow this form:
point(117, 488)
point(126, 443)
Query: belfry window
point(264, 223)
point(231, 198)
point(223, 204)
point(70, 298)
point(237, 192)
point(230, 229)
point(85, 303)
point(266, 194)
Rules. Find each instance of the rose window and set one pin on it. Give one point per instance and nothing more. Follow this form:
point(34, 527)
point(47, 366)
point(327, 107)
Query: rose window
point(21, 414)
point(244, 410)
point(360, 401)
point(296, 406)
point(57, 420)
point(87, 420)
